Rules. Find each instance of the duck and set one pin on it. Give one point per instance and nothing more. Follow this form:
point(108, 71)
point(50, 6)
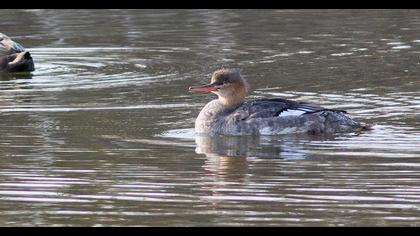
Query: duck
point(14, 57)
point(232, 114)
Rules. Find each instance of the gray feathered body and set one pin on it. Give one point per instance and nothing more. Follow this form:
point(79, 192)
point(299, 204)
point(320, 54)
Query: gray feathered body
point(14, 57)
point(265, 117)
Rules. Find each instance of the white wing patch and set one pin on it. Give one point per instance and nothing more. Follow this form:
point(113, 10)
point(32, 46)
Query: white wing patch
point(291, 113)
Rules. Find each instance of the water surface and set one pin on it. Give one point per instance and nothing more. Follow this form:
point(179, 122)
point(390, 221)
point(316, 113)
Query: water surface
point(101, 134)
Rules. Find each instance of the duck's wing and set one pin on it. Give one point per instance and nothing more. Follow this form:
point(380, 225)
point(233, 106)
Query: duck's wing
point(267, 108)
point(8, 46)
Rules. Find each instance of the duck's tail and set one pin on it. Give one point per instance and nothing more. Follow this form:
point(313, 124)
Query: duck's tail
point(337, 122)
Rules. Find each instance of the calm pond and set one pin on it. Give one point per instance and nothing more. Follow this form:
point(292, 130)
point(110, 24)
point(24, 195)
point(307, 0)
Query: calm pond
point(101, 133)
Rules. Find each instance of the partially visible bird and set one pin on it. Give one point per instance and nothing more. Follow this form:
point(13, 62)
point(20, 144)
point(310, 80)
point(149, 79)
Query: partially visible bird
point(14, 57)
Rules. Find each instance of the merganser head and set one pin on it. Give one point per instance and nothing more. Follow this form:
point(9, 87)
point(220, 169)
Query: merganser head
point(227, 84)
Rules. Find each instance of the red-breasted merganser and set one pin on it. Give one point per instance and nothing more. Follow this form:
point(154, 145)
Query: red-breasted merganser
point(14, 57)
point(230, 114)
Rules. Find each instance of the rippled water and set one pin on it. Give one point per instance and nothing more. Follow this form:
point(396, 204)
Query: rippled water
point(101, 134)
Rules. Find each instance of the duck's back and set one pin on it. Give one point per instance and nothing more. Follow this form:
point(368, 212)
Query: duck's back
point(14, 57)
point(274, 107)
point(8, 46)
point(280, 116)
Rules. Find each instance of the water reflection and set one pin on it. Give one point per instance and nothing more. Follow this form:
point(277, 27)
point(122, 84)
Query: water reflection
point(225, 146)
point(15, 76)
point(227, 168)
point(290, 147)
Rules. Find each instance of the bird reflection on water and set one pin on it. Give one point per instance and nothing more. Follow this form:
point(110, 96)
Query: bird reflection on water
point(267, 147)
